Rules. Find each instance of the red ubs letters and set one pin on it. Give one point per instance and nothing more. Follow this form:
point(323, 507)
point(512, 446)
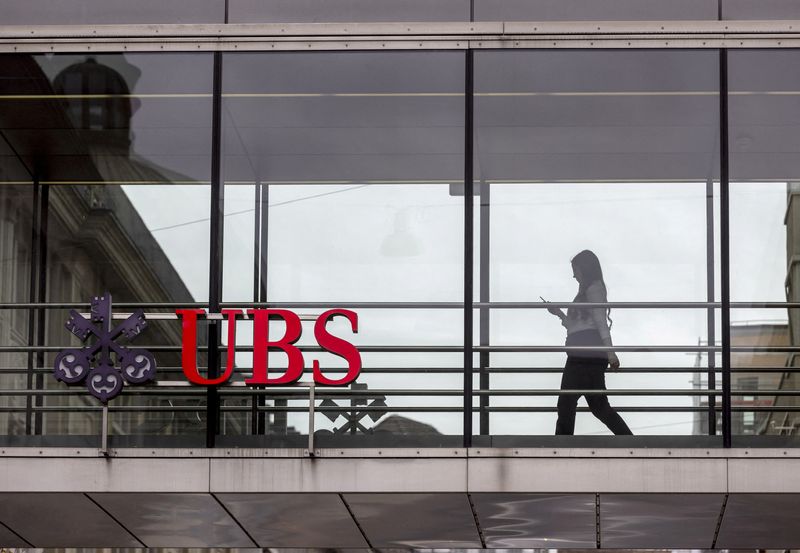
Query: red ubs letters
point(262, 342)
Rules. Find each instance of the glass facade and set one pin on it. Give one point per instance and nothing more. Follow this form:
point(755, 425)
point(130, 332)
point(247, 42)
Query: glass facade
point(440, 195)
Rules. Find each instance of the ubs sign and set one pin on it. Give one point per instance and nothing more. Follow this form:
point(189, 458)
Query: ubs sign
point(104, 374)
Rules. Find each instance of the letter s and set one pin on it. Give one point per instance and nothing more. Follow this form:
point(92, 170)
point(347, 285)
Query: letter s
point(337, 346)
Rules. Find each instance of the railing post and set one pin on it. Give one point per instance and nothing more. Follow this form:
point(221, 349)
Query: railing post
point(104, 432)
point(311, 401)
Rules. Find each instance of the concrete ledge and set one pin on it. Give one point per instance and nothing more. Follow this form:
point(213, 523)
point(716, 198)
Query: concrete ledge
point(571, 475)
point(404, 470)
point(104, 475)
point(338, 475)
point(764, 475)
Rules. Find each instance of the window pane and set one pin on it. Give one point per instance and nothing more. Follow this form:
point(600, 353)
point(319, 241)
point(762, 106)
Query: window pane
point(594, 10)
point(321, 11)
point(123, 142)
point(612, 152)
point(764, 115)
point(86, 12)
point(121, 147)
point(760, 9)
point(347, 164)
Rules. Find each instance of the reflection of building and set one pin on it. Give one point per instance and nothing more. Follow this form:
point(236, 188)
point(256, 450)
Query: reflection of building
point(767, 334)
point(788, 422)
point(96, 239)
point(398, 424)
point(755, 334)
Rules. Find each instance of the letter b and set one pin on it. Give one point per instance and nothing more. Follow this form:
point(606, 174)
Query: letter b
point(262, 343)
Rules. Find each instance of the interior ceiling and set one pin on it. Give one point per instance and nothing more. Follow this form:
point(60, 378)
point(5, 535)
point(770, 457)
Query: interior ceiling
point(399, 520)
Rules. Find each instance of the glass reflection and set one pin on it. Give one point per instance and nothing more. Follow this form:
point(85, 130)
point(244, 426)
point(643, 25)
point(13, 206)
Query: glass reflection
point(763, 145)
point(83, 12)
point(120, 147)
point(327, 11)
point(595, 10)
point(340, 173)
point(614, 152)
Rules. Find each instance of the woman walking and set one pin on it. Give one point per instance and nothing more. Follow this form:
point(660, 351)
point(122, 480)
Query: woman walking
point(585, 369)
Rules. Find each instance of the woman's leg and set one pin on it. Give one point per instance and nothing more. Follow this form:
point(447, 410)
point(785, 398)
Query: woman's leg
point(598, 403)
point(567, 403)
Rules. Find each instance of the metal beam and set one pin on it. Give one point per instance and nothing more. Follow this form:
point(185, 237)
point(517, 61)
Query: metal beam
point(393, 36)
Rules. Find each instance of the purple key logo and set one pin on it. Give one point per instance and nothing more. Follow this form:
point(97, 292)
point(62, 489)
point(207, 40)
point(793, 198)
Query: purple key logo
point(94, 363)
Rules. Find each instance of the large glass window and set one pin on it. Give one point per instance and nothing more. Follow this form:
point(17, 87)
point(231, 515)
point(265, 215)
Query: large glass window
point(594, 10)
point(764, 116)
point(614, 152)
point(120, 149)
point(340, 179)
point(342, 183)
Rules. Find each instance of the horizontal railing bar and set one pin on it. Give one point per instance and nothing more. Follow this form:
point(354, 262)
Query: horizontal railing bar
point(172, 389)
point(775, 409)
point(246, 371)
point(457, 349)
point(458, 370)
point(450, 370)
point(429, 349)
point(338, 409)
point(407, 305)
point(416, 409)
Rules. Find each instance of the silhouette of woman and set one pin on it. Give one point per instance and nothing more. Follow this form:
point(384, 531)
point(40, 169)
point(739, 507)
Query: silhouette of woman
point(585, 369)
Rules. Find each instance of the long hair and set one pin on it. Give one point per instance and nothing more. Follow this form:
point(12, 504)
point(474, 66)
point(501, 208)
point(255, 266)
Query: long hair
point(588, 267)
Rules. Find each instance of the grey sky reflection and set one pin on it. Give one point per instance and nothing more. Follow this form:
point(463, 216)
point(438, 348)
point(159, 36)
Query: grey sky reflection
point(649, 237)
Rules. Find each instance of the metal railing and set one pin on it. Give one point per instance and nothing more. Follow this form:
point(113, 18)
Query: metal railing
point(165, 397)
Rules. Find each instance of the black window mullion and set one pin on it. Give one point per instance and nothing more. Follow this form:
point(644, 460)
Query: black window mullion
point(725, 291)
point(215, 264)
point(468, 247)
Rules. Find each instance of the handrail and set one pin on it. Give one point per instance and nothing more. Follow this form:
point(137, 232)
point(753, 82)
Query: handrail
point(409, 305)
point(178, 389)
point(460, 349)
point(393, 409)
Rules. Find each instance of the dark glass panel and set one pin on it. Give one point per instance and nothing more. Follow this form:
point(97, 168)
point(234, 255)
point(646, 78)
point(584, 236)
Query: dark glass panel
point(594, 10)
point(760, 9)
point(83, 12)
point(123, 143)
point(322, 11)
point(16, 208)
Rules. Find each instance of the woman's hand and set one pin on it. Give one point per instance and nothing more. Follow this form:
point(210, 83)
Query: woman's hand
point(554, 310)
point(613, 361)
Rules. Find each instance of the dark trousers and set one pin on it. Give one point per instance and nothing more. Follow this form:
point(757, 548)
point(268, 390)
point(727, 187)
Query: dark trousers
point(586, 370)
